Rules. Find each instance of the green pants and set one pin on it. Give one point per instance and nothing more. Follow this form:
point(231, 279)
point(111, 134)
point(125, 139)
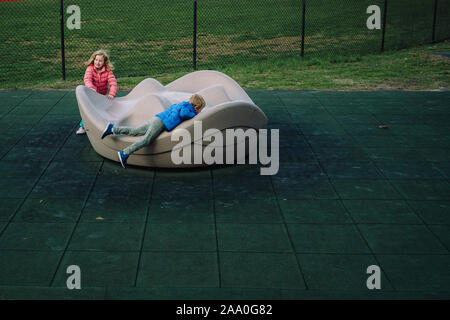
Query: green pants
point(149, 131)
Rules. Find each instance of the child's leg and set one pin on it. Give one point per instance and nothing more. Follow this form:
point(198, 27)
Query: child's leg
point(155, 127)
point(130, 131)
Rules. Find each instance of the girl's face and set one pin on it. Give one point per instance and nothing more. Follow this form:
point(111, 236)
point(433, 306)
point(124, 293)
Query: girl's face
point(99, 61)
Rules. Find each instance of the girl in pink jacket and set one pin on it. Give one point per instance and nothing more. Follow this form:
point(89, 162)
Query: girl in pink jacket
point(98, 76)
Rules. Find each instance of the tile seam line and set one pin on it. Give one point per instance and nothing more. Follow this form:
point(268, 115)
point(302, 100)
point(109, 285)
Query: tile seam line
point(291, 242)
point(76, 223)
point(141, 251)
point(342, 202)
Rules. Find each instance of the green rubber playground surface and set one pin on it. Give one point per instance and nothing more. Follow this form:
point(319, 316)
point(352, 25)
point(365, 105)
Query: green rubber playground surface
point(347, 195)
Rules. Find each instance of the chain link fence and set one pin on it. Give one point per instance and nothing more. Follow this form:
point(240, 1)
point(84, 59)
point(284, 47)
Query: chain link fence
point(148, 37)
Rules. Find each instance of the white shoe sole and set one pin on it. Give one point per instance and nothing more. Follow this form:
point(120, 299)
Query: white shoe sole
point(120, 159)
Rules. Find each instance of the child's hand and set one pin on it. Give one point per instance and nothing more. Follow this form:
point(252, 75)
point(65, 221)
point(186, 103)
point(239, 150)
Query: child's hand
point(110, 96)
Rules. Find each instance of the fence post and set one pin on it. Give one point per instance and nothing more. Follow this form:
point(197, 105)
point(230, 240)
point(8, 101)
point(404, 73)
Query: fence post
point(303, 26)
point(194, 40)
point(384, 25)
point(61, 22)
point(433, 36)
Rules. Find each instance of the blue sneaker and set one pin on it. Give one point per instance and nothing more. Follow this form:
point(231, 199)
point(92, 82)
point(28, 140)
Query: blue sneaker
point(123, 158)
point(108, 130)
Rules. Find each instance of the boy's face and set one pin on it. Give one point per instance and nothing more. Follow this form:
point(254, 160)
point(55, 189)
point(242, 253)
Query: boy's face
point(99, 61)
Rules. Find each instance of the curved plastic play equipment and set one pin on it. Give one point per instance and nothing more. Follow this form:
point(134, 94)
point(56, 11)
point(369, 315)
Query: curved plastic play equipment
point(227, 107)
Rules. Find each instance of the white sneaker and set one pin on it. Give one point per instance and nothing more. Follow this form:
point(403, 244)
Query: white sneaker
point(81, 131)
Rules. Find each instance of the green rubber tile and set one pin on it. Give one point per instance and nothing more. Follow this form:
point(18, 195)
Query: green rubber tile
point(99, 269)
point(292, 99)
point(49, 210)
point(423, 189)
point(172, 188)
point(347, 110)
point(76, 141)
point(253, 237)
point(125, 188)
point(50, 293)
point(42, 139)
point(247, 211)
point(299, 171)
point(181, 211)
point(32, 108)
point(8, 208)
point(86, 153)
point(2, 225)
point(300, 154)
point(341, 154)
point(235, 171)
point(350, 119)
point(286, 188)
point(294, 140)
point(401, 239)
point(309, 129)
point(432, 212)
point(336, 141)
point(65, 107)
point(410, 170)
point(19, 169)
point(82, 170)
point(47, 94)
point(104, 236)
point(178, 270)
point(36, 236)
point(314, 238)
point(257, 187)
point(365, 189)
point(26, 268)
point(25, 154)
point(180, 237)
point(382, 141)
point(260, 270)
point(416, 129)
point(16, 187)
point(362, 129)
point(114, 169)
point(59, 182)
point(16, 120)
point(443, 233)
point(394, 155)
point(314, 211)
point(399, 119)
point(187, 174)
point(428, 141)
point(351, 170)
point(278, 116)
point(444, 168)
point(381, 211)
point(114, 210)
point(417, 272)
point(435, 154)
point(339, 272)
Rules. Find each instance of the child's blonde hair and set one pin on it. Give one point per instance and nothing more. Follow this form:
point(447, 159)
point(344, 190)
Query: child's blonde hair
point(105, 55)
point(197, 100)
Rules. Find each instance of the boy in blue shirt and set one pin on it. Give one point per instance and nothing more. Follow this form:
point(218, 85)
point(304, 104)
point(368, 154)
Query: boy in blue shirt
point(167, 119)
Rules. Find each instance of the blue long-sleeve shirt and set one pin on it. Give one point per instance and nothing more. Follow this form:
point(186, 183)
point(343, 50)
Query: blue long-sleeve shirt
point(176, 114)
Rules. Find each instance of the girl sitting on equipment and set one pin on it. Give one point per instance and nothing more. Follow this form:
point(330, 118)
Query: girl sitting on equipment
point(97, 77)
point(167, 119)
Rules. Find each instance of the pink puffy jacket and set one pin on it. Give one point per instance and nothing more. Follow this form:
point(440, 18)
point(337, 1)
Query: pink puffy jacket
point(99, 81)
